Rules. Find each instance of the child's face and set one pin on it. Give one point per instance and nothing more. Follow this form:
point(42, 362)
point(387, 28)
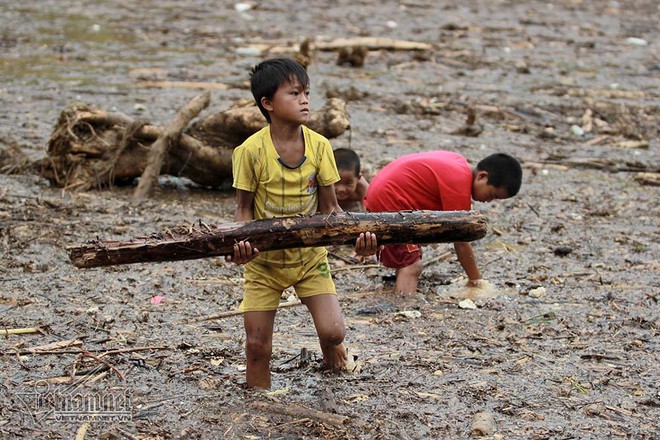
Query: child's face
point(346, 185)
point(482, 191)
point(290, 102)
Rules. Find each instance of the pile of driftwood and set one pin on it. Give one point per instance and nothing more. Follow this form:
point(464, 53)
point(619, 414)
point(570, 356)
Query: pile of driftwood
point(93, 148)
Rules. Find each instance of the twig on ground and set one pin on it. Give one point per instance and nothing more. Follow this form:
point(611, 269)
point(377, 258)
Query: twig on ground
point(230, 313)
point(357, 267)
point(103, 361)
point(127, 434)
point(441, 257)
point(96, 350)
point(302, 412)
point(347, 260)
point(82, 430)
point(235, 313)
point(20, 331)
point(534, 210)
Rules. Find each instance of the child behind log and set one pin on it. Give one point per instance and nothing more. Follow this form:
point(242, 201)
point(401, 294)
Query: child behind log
point(286, 169)
point(438, 181)
point(352, 186)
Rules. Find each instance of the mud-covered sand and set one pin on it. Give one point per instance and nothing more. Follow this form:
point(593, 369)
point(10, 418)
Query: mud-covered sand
point(567, 347)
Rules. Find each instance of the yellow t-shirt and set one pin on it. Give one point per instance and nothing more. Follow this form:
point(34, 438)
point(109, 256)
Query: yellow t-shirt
point(283, 190)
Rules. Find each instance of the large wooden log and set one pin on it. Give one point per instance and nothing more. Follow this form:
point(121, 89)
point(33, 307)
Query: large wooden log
point(202, 241)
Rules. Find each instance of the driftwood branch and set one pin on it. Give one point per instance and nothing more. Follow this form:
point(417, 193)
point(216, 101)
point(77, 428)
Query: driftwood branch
point(104, 351)
point(650, 179)
point(168, 137)
point(230, 313)
point(284, 233)
point(182, 85)
point(611, 165)
point(371, 43)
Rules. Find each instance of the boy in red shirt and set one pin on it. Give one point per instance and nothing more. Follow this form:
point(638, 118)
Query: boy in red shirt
point(438, 181)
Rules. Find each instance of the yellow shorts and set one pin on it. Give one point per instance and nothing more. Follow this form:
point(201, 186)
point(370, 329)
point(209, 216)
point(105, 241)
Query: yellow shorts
point(264, 284)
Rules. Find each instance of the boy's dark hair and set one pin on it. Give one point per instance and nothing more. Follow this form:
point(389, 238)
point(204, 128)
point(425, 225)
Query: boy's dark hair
point(267, 76)
point(347, 159)
point(504, 171)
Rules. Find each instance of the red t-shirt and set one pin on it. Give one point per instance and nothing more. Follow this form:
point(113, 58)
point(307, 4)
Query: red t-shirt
point(434, 180)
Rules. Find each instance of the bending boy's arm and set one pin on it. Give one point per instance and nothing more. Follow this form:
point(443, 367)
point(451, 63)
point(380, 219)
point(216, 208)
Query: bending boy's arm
point(362, 187)
point(467, 259)
point(361, 191)
point(243, 251)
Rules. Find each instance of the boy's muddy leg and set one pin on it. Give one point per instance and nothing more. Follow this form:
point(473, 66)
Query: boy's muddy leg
point(408, 277)
point(258, 347)
point(330, 328)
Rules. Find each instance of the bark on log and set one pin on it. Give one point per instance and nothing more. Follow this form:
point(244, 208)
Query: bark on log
point(342, 228)
point(165, 141)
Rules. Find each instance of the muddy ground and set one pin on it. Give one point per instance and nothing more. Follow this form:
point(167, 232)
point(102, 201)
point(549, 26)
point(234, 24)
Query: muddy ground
point(567, 349)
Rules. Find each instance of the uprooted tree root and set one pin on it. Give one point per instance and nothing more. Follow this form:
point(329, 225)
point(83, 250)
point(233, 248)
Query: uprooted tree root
point(13, 160)
point(91, 148)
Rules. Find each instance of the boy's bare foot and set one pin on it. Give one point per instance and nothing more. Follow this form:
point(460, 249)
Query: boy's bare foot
point(342, 360)
point(334, 356)
point(411, 299)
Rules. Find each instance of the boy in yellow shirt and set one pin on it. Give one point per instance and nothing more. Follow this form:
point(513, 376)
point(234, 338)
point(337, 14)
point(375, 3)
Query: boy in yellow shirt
point(286, 169)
